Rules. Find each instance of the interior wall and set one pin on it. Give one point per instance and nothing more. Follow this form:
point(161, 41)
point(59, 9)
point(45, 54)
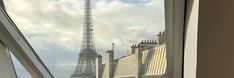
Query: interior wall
point(215, 39)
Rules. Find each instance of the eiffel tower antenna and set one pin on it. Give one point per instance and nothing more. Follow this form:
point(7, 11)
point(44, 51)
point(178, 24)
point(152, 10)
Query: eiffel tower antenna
point(86, 65)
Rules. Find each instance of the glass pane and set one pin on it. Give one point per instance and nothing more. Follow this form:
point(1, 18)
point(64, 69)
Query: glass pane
point(128, 36)
point(21, 72)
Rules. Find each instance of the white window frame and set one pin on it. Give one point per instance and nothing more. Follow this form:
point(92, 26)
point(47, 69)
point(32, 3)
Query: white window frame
point(181, 20)
point(13, 39)
point(174, 21)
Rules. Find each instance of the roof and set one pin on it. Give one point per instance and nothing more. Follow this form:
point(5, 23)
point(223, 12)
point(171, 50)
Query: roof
point(153, 63)
point(125, 66)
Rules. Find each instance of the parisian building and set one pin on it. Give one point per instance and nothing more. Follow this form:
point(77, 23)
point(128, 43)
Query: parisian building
point(147, 60)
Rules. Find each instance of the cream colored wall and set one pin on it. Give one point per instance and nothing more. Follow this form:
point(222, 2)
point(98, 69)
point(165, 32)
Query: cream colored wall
point(190, 47)
point(215, 39)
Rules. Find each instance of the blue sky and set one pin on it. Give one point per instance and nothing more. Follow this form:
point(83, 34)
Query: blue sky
point(54, 27)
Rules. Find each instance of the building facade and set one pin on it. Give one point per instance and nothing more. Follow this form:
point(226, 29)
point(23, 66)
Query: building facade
point(147, 60)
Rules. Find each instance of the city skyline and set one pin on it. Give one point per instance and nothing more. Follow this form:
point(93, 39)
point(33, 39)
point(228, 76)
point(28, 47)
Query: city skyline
point(55, 27)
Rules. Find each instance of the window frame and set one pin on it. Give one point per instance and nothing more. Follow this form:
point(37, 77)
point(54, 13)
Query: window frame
point(174, 22)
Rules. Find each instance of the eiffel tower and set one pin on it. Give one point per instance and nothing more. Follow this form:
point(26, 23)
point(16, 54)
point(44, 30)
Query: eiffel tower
point(86, 65)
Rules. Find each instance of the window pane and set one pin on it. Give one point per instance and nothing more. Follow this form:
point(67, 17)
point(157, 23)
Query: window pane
point(68, 35)
point(21, 72)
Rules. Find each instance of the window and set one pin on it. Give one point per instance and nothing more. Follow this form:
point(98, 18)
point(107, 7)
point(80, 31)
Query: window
point(101, 38)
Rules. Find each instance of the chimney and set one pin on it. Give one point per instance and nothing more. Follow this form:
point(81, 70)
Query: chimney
point(113, 47)
point(161, 37)
point(109, 63)
point(133, 48)
point(98, 66)
point(138, 55)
